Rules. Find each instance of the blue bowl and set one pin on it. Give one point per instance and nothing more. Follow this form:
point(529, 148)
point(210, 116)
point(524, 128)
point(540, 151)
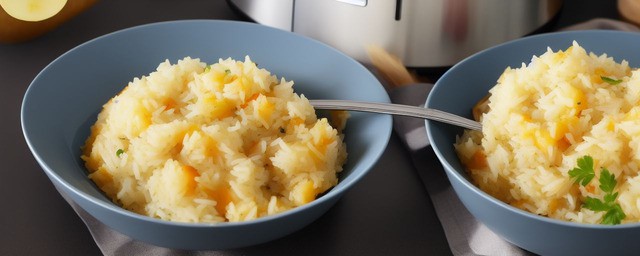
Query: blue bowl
point(63, 100)
point(475, 76)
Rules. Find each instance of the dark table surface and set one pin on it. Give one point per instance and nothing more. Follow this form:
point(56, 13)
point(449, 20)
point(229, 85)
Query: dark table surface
point(35, 219)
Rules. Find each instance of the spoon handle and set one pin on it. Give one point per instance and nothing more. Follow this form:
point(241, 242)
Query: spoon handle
point(397, 109)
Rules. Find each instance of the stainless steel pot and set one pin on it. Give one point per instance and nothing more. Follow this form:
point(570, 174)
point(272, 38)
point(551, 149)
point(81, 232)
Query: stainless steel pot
point(423, 33)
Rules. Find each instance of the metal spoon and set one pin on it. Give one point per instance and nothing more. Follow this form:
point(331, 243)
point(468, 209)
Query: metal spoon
point(397, 109)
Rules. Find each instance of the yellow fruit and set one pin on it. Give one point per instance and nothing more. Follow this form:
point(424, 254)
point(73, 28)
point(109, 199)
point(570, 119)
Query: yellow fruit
point(14, 30)
point(32, 10)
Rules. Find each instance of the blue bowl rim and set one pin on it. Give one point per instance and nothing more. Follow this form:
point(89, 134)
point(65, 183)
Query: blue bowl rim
point(467, 183)
point(112, 208)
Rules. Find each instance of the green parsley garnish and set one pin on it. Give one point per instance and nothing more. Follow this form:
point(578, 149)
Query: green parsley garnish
point(614, 216)
point(119, 152)
point(607, 181)
point(583, 174)
point(610, 80)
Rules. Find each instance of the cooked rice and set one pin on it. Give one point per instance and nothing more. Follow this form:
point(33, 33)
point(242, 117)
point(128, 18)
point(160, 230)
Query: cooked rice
point(225, 142)
point(543, 117)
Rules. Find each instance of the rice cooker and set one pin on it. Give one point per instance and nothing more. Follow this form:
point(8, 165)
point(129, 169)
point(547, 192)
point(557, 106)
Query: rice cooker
point(422, 33)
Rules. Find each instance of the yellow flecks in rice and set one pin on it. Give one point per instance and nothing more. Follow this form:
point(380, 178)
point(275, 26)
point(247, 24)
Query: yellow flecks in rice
point(225, 142)
point(544, 116)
